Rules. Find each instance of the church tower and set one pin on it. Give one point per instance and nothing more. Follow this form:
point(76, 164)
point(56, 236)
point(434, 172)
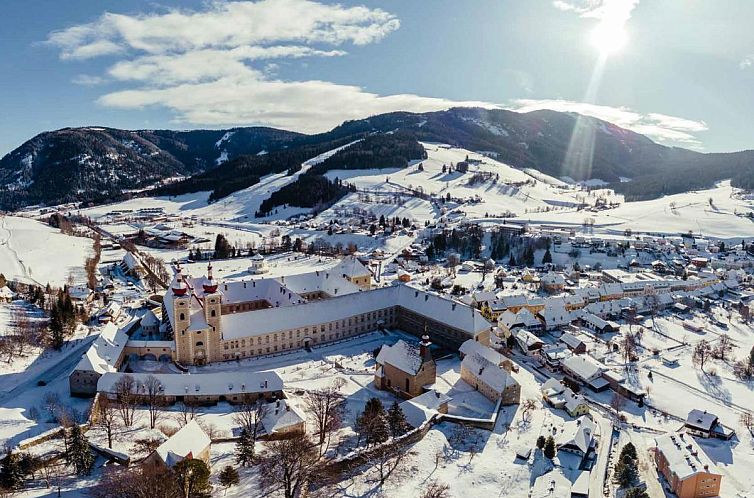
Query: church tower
point(212, 313)
point(181, 317)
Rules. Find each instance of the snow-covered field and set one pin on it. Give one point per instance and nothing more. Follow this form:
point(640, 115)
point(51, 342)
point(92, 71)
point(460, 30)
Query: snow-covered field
point(529, 195)
point(34, 252)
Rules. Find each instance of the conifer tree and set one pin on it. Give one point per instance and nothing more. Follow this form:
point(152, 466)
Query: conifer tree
point(549, 449)
point(229, 477)
point(541, 442)
point(397, 420)
point(245, 448)
point(547, 258)
point(79, 455)
point(11, 472)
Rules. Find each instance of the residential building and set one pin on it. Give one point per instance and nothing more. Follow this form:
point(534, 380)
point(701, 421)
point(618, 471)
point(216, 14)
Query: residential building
point(189, 442)
point(690, 473)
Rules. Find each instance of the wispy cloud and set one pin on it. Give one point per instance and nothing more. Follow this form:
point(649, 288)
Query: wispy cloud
point(216, 66)
point(88, 80)
point(669, 130)
point(618, 11)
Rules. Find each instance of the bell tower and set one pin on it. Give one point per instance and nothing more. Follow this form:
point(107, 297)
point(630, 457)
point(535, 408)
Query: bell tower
point(212, 313)
point(181, 317)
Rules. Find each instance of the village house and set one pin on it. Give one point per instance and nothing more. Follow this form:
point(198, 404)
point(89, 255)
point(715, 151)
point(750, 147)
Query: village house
point(524, 318)
point(281, 419)
point(104, 355)
point(405, 369)
point(489, 379)
point(585, 370)
point(707, 425)
point(552, 283)
point(690, 473)
point(577, 437)
point(575, 343)
point(554, 316)
point(189, 442)
point(559, 396)
point(6, 295)
point(471, 347)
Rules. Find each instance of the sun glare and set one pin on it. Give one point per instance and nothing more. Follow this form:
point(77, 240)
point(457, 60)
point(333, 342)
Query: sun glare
point(609, 38)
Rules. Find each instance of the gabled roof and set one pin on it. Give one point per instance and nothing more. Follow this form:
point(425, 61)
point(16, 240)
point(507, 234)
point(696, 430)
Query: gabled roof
point(701, 419)
point(401, 355)
point(189, 442)
point(489, 373)
point(102, 356)
point(474, 347)
point(584, 366)
point(577, 434)
point(279, 416)
point(423, 407)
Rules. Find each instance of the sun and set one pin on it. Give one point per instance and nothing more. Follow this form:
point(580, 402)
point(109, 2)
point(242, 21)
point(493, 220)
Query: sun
point(609, 38)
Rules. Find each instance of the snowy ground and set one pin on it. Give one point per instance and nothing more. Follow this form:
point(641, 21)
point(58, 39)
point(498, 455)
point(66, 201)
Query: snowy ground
point(34, 252)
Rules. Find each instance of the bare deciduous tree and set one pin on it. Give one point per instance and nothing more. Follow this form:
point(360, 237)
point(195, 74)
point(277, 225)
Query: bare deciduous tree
point(702, 353)
point(153, 394)
point(326, 406)
point(527, 407)
point(107, 413)
point(435, 489)
point(127, 397)
point(288, 463)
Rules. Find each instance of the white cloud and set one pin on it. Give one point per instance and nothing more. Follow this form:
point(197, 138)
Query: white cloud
point(308, 106)
point(669, 130)
point(88, 80)
point(225, 25)
point(202, 65)
point(611, 11)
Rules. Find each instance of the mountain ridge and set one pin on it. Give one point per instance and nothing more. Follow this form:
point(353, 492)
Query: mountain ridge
point(94, 164)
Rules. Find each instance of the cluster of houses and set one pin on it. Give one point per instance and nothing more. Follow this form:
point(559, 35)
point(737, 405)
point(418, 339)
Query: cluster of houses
point(409, 371)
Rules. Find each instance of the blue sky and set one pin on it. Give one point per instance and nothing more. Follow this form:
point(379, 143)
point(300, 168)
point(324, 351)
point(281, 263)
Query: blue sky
point(681, 71)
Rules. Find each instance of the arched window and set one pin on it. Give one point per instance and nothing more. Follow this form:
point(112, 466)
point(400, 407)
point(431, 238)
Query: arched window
point(182, 316)
point(213, 313)
point(199, 343)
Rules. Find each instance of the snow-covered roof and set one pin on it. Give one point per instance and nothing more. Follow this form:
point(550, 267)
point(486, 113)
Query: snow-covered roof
point(149, 319)
point(475, 347)
point(204, 384)
point(265, 321)
point(280, 415)
point(102, 356)
point(578, 434)
point(79, 292)
point(553, 278)
point(350, 267)
point(6, 293)
point(584, 366)
point(189, 442)
point(401, 355)
point(685, 457)
point(701, 419)
point(489, 373)
point(423, 407)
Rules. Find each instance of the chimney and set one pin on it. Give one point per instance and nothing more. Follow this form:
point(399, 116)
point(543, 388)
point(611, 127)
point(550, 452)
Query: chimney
point(424, 348)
